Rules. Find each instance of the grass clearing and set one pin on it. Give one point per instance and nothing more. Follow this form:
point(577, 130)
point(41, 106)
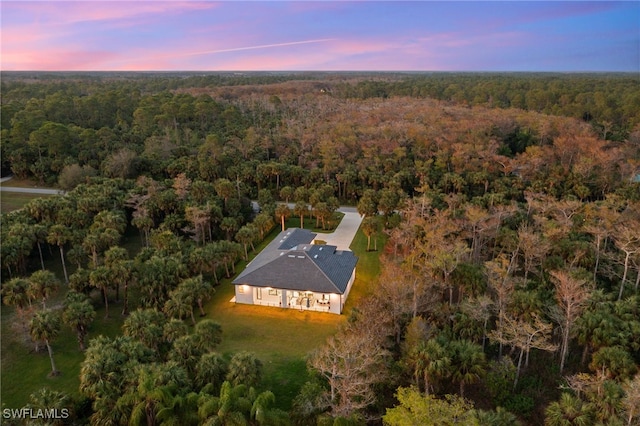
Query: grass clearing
point(310, 223)
point(10, 201)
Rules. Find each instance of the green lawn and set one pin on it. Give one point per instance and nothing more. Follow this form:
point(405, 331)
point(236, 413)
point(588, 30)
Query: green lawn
point(310, 223)
point(281, 338)
point(10, 201)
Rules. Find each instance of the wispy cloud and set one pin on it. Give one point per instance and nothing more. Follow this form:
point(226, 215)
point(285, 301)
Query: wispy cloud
point(262, 46)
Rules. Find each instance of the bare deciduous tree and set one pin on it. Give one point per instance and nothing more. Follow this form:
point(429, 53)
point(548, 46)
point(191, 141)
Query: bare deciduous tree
point(352, 362)
point(524, 335)
point(571, 295)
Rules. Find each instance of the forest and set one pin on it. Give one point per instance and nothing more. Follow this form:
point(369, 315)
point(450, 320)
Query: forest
point(500, 246)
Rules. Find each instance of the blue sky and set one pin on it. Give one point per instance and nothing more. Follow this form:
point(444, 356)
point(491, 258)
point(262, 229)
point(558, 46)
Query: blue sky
point(325, 35)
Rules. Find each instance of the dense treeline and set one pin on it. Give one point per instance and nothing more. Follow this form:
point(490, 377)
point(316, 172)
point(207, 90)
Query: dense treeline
point(89, 118)
point(609, 101)
point(509, 283)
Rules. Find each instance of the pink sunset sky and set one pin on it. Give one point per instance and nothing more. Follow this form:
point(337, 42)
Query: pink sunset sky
point(325, 35)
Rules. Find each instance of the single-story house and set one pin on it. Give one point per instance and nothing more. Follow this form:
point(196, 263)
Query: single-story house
point(293, 272)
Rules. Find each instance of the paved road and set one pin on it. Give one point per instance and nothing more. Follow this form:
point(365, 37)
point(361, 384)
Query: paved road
point(44, 191)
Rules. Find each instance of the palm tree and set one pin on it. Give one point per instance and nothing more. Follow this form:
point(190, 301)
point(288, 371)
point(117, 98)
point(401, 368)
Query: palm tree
point(568, 411)
point(260, 409)
point(198, 259)
point(174, 329)
point(245, 236)
point(15, 293)
point(39, 232)
point(186, 351)
point(200, 289)
point(45, 325)
point(282, 213)
point(77, 254)
point(124, 273)
point(41, 285)
point(209, 334)
point(499, 417)
point(264, 223)
point(148, 400)
point(245, 368)
point(232, 407)
point(180, 304)
point(78, 314)
point(114, 259)
point(60, 235)
point(100, 278)
point(211, 256)
point(430, 361)
point(146, 326)
point(229, 225)
point(613, 362)
point(230, 252)
point(144, 224)
point(79, 281)
point(369, 227)
point(47, 399)
point(607, 401)
point(323, 213)
point(225, 189)
point(92, 244)
point(300, 209)
point(211, 369)
point(11, 254)
point(26, 235)
point(467, 362)
point(106, 362)
point(110, 219)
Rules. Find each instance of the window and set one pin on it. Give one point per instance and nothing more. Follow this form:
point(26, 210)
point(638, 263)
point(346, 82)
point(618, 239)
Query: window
point(273, 292)
point(259, 293)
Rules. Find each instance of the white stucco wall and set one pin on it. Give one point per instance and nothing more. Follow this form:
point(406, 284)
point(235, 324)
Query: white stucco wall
point(244, 294)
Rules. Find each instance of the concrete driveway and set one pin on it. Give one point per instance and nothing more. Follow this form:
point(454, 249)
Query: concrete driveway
point(343, 235)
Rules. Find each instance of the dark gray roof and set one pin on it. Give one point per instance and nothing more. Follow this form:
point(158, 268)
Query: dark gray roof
point(337, 265)
point(291, 262)
point(293, 237)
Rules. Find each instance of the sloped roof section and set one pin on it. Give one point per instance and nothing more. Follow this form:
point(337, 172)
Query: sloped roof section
point(285, 241)
point(291, 262)
point(293, 237)
point(337, 265)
